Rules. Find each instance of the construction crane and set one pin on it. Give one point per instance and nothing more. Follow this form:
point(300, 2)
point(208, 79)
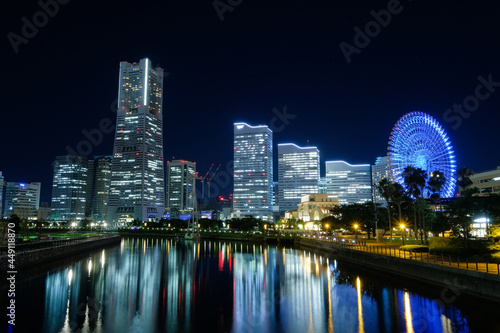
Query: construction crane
point(209, 180)
point(203, 182)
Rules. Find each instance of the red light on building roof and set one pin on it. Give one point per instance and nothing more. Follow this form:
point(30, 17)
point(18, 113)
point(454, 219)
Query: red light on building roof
point(249, 174)
point(137, 153)
point(263, 174)
point(249, 200)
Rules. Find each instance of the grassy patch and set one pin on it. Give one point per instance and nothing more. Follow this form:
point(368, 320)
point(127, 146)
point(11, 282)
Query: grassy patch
point(415, 248)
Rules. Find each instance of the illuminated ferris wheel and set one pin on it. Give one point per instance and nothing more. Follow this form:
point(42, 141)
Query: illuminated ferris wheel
point(418, 140)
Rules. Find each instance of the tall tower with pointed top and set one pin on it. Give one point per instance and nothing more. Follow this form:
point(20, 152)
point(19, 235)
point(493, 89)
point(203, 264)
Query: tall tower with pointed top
point(137, 171)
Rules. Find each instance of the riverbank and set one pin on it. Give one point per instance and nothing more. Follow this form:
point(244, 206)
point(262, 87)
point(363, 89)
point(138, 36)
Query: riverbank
point(454, 281)
point(28, 258)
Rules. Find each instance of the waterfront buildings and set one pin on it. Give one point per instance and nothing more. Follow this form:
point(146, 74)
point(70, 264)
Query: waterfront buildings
point(23, 200)
point(487, 182)
point(180, 179)
point(298, 174)
point(352, 183)
point(137, 172)
point(380, 170)
point(69, 188)
point(253, 171)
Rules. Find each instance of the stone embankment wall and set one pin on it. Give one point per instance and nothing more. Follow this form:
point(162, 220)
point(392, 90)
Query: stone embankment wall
point(48, 254)
point(453, 280)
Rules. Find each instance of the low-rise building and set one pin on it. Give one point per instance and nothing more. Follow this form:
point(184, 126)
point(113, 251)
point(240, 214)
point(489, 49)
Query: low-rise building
point(314, 207)
point(487, 182)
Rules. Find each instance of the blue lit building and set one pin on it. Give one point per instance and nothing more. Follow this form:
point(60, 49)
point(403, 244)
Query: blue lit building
point(351, 182)
point(69, 188)
point(380, 170)
point(22, 199)
point(253, 171)
point(137, 173)
point(298, 174)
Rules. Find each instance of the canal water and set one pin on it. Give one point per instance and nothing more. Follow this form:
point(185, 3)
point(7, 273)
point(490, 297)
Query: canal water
point(162, 285)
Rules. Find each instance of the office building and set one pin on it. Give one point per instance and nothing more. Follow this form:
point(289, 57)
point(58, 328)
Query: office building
point(253, 171)
point(180, 179)
point(487, 182)
point(69, 188)
point(99, 180)
point(137, 172)
point(298, 174)
point(380, 170)
point(22, 199)
point(351, 182)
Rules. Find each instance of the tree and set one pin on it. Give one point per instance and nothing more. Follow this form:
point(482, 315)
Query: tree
point(436, 183)
point(463, 178)
point(398, 196)
point(345, 216)
point(386, 188)
point(414, 179)
point(461, 213)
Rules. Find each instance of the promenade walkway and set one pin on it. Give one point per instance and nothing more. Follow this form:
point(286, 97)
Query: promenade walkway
point(474, 263)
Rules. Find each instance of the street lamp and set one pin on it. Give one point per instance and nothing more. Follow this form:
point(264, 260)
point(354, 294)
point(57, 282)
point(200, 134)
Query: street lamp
point(356, 231)
point(403, 232)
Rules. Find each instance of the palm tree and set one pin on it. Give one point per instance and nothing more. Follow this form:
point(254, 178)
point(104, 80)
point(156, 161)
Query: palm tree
point(385, 188)
point(436, 183)
point(398, 195)
point(414, 179)
point(463, 177)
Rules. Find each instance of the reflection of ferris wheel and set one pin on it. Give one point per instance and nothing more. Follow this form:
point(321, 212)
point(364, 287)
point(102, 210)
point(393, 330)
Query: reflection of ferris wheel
point(418, 140)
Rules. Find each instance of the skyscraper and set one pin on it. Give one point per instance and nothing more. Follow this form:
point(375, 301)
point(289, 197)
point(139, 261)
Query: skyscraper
point(137, 172)
point(180, 185)
point(99, 182)
point(69, 188)
point(351, 182)
point(253, 171)
point(298, 174)
point(22, 199)
point(380, 170)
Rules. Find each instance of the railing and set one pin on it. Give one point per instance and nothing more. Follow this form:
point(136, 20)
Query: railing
point(472, 263)
point(47, 243)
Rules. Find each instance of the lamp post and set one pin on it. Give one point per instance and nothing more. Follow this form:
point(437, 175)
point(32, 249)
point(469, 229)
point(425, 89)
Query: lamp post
point(403, 233)
point(355, 231)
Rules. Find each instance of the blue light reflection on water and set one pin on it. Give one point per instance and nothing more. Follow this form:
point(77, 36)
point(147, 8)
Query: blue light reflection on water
point(158, 285)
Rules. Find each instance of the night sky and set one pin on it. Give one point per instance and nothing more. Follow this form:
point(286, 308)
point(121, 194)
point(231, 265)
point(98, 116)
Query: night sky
point(263, 55)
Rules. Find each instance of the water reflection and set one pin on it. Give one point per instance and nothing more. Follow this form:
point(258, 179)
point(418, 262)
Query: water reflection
point(158, 285)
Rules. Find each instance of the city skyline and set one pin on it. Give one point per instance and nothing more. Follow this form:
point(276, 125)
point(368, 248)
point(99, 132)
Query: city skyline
point(290, 74)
